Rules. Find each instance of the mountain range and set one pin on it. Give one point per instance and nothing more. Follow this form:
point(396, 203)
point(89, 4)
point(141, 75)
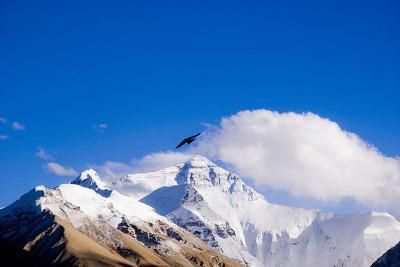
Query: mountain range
point(194, 213)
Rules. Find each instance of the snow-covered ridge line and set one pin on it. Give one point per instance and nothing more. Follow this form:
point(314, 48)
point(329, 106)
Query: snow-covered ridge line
point(115, 222)
point(91, 179)
point(218, 207)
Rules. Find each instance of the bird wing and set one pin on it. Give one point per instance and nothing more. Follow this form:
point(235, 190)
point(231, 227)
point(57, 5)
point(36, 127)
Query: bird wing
point(181, 143)
point(194, 136)
point(187, 140)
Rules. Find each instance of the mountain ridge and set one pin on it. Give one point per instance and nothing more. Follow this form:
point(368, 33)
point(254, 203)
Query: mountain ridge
point(219, 208)
point(75, 225)
point(165, 216)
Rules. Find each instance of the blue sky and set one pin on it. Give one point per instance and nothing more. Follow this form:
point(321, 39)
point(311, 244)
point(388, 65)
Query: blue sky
point(155, 71)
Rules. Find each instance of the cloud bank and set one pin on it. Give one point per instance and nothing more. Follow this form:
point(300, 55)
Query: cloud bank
point(305, 155)
point(52, 166)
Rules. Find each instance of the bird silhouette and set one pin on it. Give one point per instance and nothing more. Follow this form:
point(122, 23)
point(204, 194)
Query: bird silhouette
point(188, 140)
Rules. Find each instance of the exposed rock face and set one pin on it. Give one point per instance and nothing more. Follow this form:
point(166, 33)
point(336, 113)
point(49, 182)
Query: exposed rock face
point(391, 258)
point(190, 214)
point(231, 217)
point(90, 179)
point(75, 226)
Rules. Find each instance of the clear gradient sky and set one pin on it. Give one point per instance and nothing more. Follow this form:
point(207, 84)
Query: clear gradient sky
point(154, 71)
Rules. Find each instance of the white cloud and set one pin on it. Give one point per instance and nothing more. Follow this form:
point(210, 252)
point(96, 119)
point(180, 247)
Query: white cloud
point(3, 137)
point(60, 170)
point(43, 154)
point(18, 126)
point(305, 155)
point(3, 120)
point(100, 127)
point(111, 170)
point(54, 167)
point(302, 154)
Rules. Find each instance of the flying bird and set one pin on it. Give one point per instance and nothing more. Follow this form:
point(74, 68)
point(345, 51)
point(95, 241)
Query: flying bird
point(188, 140)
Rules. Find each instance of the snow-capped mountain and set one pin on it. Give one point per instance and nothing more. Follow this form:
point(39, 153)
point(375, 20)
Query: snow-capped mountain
point(77, 226)
point(218, 207)
point(90, 179)
point(140, 219)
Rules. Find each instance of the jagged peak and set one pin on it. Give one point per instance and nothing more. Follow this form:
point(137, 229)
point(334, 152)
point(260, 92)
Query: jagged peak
point(91, 179)
point(89, 176)
point(199, 161)
point(200, 171)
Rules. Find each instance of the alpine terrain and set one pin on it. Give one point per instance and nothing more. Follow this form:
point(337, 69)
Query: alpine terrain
point(72, 225)
point(231, 217)
point(195, 213)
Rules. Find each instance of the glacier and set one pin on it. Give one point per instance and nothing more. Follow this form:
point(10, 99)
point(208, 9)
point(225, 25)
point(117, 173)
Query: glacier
point(217, 206)
point(214, 205)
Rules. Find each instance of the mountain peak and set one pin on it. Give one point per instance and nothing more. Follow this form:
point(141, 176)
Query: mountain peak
point(91, 179)
point(200, 172)
point(199, 161)
point(90, 174)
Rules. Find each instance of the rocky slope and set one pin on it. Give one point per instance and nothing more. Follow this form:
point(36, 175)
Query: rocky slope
point(218, 207)
point(195, 213)
point(76, 226)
